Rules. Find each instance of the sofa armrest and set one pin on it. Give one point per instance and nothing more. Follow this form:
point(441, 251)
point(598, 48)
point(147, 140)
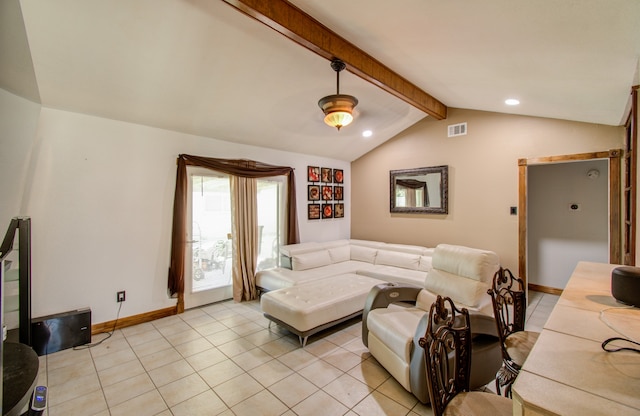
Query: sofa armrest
point(383, 295)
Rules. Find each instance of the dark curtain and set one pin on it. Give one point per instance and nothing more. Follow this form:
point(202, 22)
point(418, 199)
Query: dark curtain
point(237, 167)
point(415, 184)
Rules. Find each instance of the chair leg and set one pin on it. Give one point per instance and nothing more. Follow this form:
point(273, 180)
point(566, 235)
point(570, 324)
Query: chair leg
point(505, 377)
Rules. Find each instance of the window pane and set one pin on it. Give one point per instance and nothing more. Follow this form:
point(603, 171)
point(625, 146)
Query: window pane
point(211, 231)
point(271, 192)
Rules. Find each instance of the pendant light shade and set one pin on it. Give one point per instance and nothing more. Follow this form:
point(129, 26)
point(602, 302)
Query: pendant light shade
point(338, 108)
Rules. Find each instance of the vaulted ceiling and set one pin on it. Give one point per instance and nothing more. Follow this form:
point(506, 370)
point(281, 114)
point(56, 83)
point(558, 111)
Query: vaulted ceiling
point(204, 67)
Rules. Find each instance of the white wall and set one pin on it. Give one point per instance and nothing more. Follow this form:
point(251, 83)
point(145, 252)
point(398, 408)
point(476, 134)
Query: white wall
point(101, 201)
point(18, 123)
point(559, 237)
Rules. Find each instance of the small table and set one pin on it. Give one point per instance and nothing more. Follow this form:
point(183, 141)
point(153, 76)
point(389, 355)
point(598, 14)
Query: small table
point(567, 372)
point(20, 375)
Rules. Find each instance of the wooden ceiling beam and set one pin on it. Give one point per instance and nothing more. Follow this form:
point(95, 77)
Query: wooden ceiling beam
point(298, 26)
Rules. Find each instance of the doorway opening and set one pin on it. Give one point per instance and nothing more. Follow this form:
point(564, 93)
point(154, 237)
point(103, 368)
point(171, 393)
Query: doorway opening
point(614, 207)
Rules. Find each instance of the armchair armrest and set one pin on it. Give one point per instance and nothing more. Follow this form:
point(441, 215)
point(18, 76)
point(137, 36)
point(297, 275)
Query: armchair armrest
point(383, 295)
point(482, 324)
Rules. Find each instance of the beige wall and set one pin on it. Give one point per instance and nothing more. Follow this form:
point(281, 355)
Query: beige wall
point(483, 177)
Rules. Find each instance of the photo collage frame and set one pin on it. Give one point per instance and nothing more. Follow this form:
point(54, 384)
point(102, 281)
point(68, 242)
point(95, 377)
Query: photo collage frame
point(325, 193)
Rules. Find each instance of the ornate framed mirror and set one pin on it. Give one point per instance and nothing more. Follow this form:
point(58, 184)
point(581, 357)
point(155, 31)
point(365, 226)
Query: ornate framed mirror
point(420, 190)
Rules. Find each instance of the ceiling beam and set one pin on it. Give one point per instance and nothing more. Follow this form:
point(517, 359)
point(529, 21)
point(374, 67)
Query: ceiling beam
point(298, 26)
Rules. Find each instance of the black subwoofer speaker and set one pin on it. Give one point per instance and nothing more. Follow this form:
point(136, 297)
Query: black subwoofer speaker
point(625, 285)
point(61, 331)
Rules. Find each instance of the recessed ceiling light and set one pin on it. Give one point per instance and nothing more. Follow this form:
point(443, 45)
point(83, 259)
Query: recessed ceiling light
point(511, 101)
point(367, 133)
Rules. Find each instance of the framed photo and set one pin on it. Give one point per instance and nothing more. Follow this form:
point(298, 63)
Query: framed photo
point(313, 192)
point(313, 212)
point(338, 176)
point(313, 174)
point(326, 175)
point(338, 193)
point(327, 210)
point(338, 210)
point(327, 192)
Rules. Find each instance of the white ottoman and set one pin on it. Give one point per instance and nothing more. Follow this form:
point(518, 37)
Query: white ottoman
point(311, 307)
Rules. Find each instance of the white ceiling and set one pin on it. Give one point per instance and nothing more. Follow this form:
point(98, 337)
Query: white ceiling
point(202, 67)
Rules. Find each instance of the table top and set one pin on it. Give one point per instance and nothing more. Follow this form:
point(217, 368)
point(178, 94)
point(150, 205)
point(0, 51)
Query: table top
point(19, 376)
point(567, 372)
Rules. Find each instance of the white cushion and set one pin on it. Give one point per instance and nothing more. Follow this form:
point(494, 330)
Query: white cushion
point(313, 304)
point(365, 254)
point(464, 261)
point(425, 263)
point(334, 243)
point(310, 260)
point(460, 289)
point(367, 243)
point(395, 274)
point(340, 254)
point(405, 248)
point(398, 259)
point(395, 328)
point(299, 248)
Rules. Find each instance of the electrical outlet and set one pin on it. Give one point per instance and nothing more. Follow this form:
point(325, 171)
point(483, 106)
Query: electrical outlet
point(120, 296)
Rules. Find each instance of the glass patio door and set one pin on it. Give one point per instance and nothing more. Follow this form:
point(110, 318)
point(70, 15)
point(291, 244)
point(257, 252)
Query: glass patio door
point(209, 252)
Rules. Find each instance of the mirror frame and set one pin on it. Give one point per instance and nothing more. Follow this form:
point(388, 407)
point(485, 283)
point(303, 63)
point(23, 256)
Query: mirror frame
point(444, 189)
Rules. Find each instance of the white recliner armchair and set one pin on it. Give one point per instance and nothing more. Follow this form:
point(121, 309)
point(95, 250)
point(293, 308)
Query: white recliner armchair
point(395, 317)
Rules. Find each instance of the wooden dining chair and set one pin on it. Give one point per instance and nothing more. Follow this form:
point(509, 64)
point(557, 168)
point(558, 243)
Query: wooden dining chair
point(509, 300)
point(447, 345)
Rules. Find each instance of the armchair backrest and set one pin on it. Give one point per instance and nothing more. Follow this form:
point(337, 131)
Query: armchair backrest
point(464, 274)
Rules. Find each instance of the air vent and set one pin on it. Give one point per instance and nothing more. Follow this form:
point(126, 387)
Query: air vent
point(459, 129)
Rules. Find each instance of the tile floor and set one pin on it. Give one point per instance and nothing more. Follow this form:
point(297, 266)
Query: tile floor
point(222, 359)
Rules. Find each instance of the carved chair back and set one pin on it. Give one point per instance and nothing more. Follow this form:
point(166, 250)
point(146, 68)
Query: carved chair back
point(447, 344)
point(509, 305)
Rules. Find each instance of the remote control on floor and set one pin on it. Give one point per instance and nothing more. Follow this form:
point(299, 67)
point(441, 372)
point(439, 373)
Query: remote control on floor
point(39, 400)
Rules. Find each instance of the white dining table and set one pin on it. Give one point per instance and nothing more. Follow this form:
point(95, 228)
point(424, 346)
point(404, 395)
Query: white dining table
point(567, 371)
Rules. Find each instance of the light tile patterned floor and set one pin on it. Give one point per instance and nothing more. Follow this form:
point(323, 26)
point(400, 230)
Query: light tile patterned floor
point(222, 359)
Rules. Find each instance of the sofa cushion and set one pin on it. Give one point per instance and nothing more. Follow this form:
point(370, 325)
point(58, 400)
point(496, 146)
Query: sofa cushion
point(340, 254)
point(395, 274)
point(367, 243)
point(425, 263)
point(365, 254)
point(310, 260)
point(405, 248)
point(291, 250)
point(398, 259)
point(467, 262)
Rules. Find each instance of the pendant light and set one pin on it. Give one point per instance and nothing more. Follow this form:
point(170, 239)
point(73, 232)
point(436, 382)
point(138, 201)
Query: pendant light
point(338, 108)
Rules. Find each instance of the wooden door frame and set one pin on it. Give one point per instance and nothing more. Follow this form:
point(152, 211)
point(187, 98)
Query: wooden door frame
point(615, 240)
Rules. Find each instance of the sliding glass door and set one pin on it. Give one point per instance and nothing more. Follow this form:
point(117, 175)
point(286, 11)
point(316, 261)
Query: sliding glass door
point(210, 248)
point(208, 275)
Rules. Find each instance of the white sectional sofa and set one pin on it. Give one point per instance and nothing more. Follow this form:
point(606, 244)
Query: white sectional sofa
point(307, 262)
